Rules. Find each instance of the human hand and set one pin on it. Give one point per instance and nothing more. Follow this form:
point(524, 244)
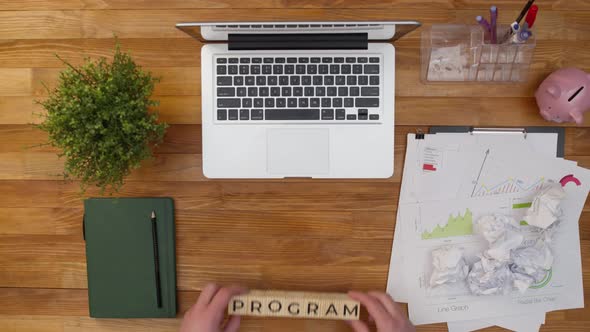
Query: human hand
point(387, 315)
point(207, 314)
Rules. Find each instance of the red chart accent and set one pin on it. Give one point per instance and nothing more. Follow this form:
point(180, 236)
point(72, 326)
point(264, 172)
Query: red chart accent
point(569, 178)
point(428, 167)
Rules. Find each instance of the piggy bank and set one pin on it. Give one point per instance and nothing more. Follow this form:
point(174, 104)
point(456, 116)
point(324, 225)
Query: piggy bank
point(564, 95)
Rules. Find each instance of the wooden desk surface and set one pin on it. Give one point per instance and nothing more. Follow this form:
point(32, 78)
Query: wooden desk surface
point(298, 235)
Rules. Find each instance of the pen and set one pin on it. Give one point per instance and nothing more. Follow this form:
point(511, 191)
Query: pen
point(493, 19)
point(156, 260)
point(531, 15)
point(483, 22)
point(524, 11)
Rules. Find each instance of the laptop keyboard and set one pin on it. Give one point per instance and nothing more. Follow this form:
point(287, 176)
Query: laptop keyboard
point(338, 89)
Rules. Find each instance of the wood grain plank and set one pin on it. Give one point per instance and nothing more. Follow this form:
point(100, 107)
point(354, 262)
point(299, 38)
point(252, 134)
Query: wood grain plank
point(255, 4)
point(148, 23)
point(41, 221)
point(179, 139)
point(239, 195)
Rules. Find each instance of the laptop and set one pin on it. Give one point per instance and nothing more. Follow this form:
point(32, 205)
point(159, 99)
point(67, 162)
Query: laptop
point(298, 99)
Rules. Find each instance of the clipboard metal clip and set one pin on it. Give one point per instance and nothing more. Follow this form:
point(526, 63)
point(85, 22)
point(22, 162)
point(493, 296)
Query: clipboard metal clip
point(475, 130)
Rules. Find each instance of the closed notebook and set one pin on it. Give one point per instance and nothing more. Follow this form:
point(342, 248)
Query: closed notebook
point(120, 257)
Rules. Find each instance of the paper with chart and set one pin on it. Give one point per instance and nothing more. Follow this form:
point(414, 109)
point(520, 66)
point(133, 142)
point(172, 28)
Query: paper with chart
point(440, 161)
point(444, 223)
point(441, 155)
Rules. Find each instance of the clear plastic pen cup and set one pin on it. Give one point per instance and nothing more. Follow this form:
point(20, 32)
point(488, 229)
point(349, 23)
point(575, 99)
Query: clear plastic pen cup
point(455, 52)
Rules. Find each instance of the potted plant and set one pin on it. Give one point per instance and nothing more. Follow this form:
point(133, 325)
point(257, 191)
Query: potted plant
point(99, 116)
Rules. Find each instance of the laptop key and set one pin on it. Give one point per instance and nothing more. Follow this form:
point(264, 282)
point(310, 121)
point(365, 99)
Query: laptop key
point(374, 117)
point(354, 91)
point(292, 114)
point(327, 114)
point(224, 80)
point(228, 102)
point(232, 69)
point(238, 80)
point(312, 69)
point(327, 60)
point(305, 80)
point(351, 80)
point(221, 70)
point(357, 69)
point(258, 102)
point(338, 60)
point(363, 60)
point(337, 102)
point(332, 91)
point(303, 102)
point(317, 80)
point(342, 91)
point(291, 102)
point(255, 70)
point(340, 80)
point(374, 60)
point(275, 91)
point(250, 80)
point(315, 60)
point(320, 91)
point(294, 80)
point(351, 117)
point(263, 91)
point(260, 80)
point(244, 70)
point(334, 69)
point(314, 102)
point(369, 91)
point(221, 115)
point(300, 69)
point(247, 102)
point(257, 114)
point(366, 102)
point(268, 60)
point(323, 69)
point(283, 80)
point(348, 102)
point(268, 102)
point(346, 69)
point(289, 69)
point(303, 60)
point(241, 92)
point(244, 114)
point(291, 60)
point(328, 80)
point(226, 92)
point(371, 69)
point(297, 91)
point(340, 114)
point(350, 60)
point(233, 60)
point(374, 80)
point(286, 91)
point(281, 102)
point(256, 60)
point(266, 69)
point(221, 60)
point(232, 115)
point(277, 69)
point(279, 60)
point(272, 80)
point(363, 80)
point(308, 91)
point(326, 102)
point(244, 60)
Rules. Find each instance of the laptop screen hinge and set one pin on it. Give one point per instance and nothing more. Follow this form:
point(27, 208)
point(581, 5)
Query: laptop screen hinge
point(303, 41)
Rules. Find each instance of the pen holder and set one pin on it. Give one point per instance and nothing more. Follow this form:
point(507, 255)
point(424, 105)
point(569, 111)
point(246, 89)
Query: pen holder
point(459, 53)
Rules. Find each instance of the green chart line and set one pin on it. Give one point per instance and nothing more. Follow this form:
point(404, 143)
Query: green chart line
point(456, 226)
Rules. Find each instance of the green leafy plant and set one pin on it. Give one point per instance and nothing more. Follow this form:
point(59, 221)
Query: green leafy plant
point(99, 117)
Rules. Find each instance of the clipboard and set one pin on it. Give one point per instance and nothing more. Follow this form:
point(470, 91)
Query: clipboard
point(522, 131)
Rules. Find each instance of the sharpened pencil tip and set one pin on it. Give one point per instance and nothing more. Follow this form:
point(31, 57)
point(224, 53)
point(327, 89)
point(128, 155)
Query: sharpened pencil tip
point(153, 214)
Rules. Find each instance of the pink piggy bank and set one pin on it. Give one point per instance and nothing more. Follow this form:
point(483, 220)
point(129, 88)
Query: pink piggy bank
point(564, 95)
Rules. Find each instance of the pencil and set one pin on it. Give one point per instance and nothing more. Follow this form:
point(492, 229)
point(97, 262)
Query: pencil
point(156, 260)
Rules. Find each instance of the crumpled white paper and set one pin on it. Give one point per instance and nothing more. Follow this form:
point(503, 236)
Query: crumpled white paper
point(502, 233)
point(448, 266)
point(489, 277)
point(545, 209)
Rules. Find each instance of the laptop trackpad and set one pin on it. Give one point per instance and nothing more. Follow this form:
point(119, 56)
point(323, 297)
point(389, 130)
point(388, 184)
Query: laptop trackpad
point(298, 152)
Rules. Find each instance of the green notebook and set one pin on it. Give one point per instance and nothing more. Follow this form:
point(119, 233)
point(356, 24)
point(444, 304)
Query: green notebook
point(120, 257)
